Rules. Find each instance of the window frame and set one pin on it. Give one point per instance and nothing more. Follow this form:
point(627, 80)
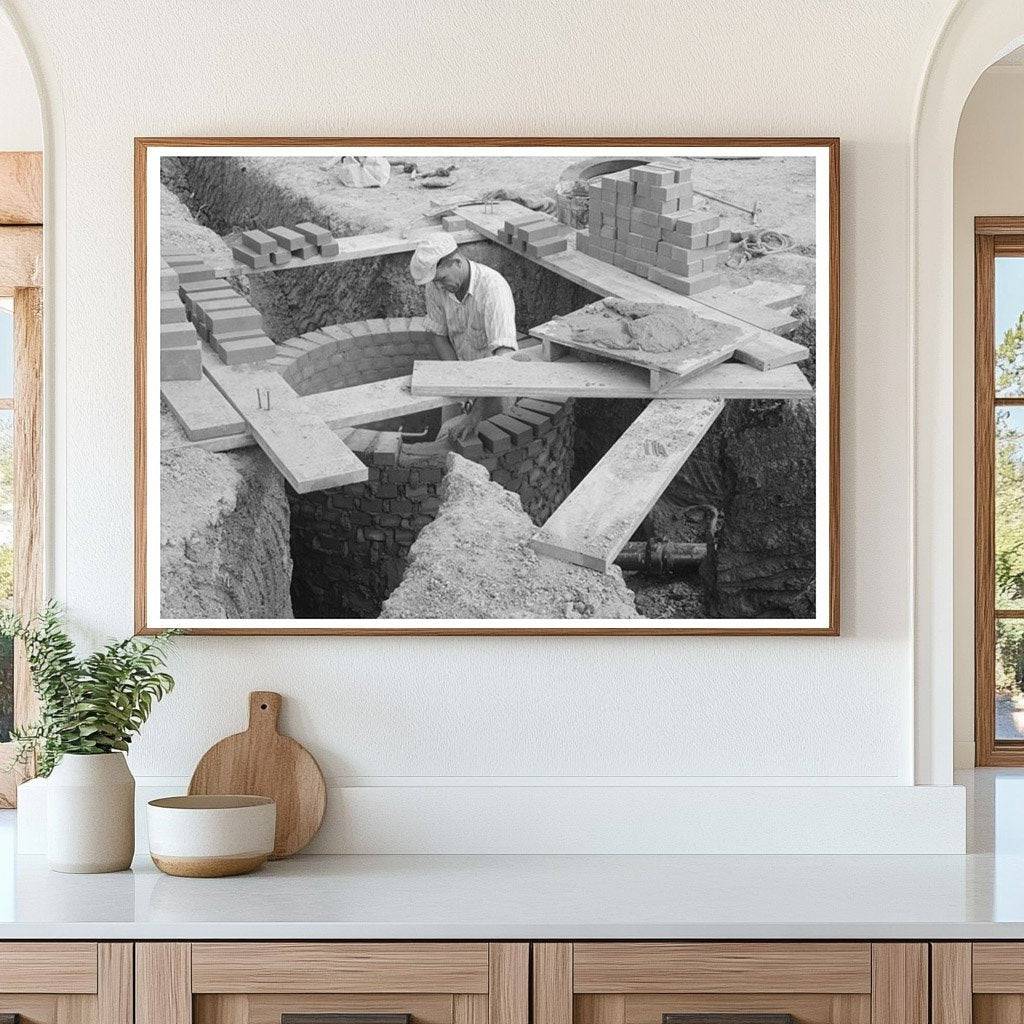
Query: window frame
point(993, 237)
point(21, 253)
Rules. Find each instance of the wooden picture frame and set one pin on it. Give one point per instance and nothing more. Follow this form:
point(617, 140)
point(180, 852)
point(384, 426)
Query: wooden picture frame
point(826, 622)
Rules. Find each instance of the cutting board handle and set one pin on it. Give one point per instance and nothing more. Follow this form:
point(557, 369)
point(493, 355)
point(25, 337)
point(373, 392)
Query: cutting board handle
point(264, 710)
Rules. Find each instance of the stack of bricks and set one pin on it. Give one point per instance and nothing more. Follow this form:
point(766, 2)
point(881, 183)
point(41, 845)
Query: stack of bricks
point(180, 357)
point(280, 245)
point(227, 321)
point(536, 235)
point(643, 221)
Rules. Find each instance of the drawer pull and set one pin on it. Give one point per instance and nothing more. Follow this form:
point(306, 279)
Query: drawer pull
point(728, 1018)
point(342, 1018)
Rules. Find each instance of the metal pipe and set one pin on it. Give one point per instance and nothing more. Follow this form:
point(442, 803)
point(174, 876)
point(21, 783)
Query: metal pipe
point(669, 558)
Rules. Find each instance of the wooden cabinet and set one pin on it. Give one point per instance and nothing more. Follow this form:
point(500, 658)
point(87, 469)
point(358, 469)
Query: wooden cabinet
point(815, 982)
point(258, 982)
point(66, 982)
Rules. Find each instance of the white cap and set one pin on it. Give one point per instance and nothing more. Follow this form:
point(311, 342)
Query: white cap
point(423, 264)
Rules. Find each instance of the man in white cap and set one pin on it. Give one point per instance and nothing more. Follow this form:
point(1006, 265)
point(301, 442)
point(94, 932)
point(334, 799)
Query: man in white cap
point(470, 311)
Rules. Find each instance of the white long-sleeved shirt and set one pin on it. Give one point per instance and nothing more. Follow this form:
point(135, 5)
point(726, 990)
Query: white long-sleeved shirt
point(483, 321)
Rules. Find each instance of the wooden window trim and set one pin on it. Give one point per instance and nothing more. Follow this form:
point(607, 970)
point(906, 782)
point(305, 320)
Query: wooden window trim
point(21, 233)
point(993, 236)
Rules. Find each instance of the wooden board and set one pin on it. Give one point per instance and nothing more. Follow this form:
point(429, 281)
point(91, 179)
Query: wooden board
point(201, 409)
point(48, 967)
point(754, 313)
point(756, 967)
point(371, 403)
point(603, 279)
point(307, 967)
point(262, 762)
point(21, 188)
point(571, 378)
point(351, 247)
point(757, 348)
point(591, 526)
point(899, 990)
point(303, 448)
point(163, 983)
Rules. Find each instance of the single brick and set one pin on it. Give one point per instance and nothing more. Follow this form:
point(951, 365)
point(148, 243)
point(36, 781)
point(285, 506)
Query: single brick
point(494, 438)
point(177, 335)
point(658, 206)
point(245, 350)
point(652, 175)
point(168, 280)
point(237, 319)
point(719, 236)
point(684, 285)
point(258, 241)
point(287, 238)
point(548, 248)
point(540, 405)
point(519, 430)
point(183, 260)
point(307, 251)
point(313, 233)
point(649, 243)
point(692, 222)
point(172, 312)
point(278, 255)
point(181, 363)
point(329, 249)
point(199, 273)
point(250, 258)
point(648, 217)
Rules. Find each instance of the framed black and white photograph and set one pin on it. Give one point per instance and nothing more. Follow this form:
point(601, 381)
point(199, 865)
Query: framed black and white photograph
point(487, 386)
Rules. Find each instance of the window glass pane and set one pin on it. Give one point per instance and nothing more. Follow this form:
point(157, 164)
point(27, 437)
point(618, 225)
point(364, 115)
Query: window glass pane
point(1009, 525)
point(1009, 325)
point(6, 351)
point(1009, 679)
point(6, 566)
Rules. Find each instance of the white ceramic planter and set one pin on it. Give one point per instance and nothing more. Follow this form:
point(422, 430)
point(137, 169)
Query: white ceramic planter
point(90, 814)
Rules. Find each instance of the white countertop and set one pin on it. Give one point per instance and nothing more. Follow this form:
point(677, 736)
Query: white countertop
point(980, 895)
point(532, 897)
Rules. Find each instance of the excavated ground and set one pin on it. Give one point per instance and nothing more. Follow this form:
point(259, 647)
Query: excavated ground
point(474, 561)
point(753, 474)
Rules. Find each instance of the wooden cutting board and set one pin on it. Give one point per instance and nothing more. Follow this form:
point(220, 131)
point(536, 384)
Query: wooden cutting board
point(262, 762)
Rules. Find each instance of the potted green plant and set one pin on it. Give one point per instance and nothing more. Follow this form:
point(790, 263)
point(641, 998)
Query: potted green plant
point(89, 710)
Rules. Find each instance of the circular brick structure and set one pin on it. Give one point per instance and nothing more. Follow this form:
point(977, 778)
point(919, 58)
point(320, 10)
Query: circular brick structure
point(350, 544)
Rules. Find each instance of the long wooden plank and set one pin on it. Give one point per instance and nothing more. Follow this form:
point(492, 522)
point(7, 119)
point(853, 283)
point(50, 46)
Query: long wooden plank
point(303, 448)
point(758, 967)
point(21, 188)
point(508, 989)
point(571, 378)
point(370, 403)
point(552, 983)
point(201, 409)
point(351, 247)
point(591, 526)
point(997, 967)
point(340, 967)
point(603, 279)
point(115, 995)
point(21, 258)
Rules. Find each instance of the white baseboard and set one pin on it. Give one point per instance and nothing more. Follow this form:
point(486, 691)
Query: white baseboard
point(599, 819)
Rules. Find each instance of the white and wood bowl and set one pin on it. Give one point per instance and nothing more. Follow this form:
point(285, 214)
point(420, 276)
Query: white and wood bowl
point(211, 836)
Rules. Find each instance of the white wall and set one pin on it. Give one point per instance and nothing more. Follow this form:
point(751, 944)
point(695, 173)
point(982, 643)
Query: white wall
point(443, 713)
point(988, 180)
point(21, 125)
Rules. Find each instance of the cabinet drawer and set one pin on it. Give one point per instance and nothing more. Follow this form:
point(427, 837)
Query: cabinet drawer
point(260, 982)
point(48, 967)
point(751, 982)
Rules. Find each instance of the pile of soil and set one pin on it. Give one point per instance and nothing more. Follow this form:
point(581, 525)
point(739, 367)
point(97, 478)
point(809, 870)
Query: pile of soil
point(474, 561)
point(619, 324)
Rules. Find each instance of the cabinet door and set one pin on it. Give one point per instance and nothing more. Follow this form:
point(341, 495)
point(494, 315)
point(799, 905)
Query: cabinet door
point(980, 982)
point(66, 982)
point(751, 982)
point(301, 982)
